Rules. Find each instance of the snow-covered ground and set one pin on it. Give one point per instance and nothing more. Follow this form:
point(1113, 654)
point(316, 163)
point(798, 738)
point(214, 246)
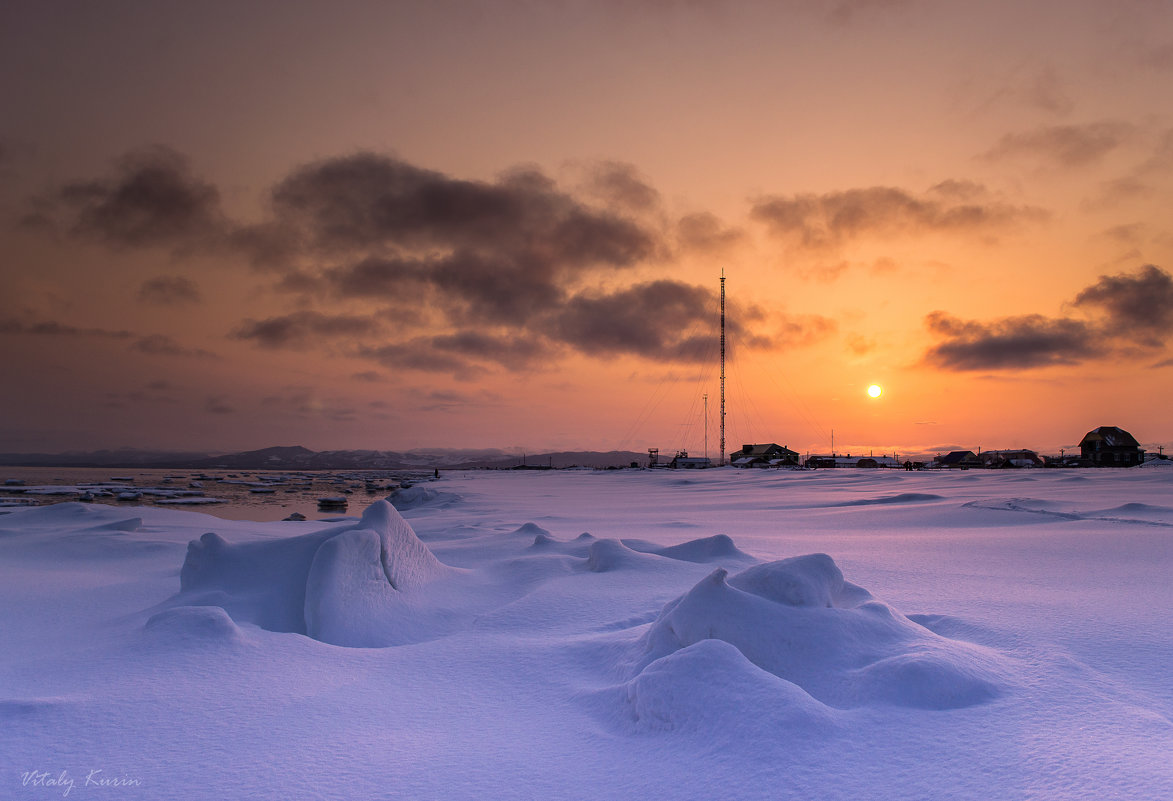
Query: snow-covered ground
point(651, 635)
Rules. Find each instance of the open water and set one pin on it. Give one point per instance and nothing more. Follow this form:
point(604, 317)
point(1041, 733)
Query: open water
point(244, 495)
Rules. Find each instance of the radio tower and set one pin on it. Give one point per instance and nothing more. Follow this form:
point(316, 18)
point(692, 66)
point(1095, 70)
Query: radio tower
point(721, 461)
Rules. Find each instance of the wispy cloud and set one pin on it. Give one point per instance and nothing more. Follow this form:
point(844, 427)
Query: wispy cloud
point(169, 290)
point(822, 221)
point(305, 329)
point(1063, 145)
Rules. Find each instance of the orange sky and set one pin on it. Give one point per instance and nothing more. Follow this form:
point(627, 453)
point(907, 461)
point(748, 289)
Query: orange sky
point(501, 224)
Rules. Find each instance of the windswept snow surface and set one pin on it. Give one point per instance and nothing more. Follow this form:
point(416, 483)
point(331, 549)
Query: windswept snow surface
point(836, 634)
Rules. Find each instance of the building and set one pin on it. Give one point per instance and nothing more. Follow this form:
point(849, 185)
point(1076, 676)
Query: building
point(1020, 457)
point(682, 461)
point(1110, 446)
point(853, 461)
point(959, 460)
point(769, 454)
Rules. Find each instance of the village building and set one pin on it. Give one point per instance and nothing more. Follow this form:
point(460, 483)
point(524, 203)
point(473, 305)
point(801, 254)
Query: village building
point(852, 461)
point(1020, 457)
point(682, 461)
point(1110, 446)
point(769, 454)
point(961, 460)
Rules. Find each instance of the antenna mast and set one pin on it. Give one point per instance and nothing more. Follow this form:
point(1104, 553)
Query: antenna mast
point(721, 461)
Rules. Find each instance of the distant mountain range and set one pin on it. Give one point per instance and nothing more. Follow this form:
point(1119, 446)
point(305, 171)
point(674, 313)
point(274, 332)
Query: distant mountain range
point(295, 457)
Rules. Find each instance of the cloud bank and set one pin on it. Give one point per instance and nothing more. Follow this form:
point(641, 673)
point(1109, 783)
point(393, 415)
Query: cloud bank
point(1128, 313)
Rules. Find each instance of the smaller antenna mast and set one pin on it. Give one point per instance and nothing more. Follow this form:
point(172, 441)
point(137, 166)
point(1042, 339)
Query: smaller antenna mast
point(721, 460)
point(706, 398)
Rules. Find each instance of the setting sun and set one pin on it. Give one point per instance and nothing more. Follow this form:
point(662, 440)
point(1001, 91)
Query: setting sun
point(875, 390)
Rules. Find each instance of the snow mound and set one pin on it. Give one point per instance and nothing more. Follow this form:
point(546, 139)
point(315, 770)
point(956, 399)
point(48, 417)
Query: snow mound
point(812, 580)
point(678, 693)
point(415, 496)
point(128, 525)
point(545, 542)
point(705, 549)
point(195, 625)
point(405, 560)
point(800, 621)
point(930, 675)
point(532, 530)
point(884, 500)
point(259, 582)
point(610, 554)
point(333, 585)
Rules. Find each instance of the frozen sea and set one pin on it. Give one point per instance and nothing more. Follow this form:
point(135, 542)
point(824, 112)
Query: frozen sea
point(833, 634)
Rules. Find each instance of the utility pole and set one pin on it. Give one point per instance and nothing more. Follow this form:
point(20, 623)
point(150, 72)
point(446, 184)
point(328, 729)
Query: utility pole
point(722, 459)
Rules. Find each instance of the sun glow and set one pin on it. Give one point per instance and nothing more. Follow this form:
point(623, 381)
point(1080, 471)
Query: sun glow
point(875, 390)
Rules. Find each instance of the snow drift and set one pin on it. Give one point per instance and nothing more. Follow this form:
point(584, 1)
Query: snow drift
point(799, 620)
point(346, 585)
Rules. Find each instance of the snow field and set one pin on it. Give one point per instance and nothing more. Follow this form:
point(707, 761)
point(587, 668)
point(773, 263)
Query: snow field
point(839, 634)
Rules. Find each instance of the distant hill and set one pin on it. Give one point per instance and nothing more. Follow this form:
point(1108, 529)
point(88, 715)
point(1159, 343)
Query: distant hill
point(296, 457)
point(560, 459)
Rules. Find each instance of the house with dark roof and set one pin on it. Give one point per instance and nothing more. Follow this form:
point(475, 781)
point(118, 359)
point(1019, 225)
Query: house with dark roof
point(959, 460)
point(1019, 457)
point(770, 454)
point(1110, 446)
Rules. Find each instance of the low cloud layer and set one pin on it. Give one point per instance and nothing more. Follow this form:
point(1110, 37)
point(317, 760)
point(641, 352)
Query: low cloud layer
point(1129, 313)
point(467, 275)
point(151, 344)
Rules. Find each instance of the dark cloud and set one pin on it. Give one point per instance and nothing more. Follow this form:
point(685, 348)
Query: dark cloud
point(152, 199)
point(305, 402)
point(1010, 343)
point(488, 252)
point(163, 345)
point(468, 275)
point(169, 290)
point(1063, 145)
point(53, 328)
point(819, 221)
point(1137, 307)
point(620, 185)
point(704, 231)
point(844, 12)
point(463, 353)
point(668, 321)
point(1130, 315)
point(301, 330)
point(368, 201)
point(368, 376)
point(217, 404)
point(657, 320)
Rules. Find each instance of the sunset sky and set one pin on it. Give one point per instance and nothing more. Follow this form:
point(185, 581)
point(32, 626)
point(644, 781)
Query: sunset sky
point(403, 225)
